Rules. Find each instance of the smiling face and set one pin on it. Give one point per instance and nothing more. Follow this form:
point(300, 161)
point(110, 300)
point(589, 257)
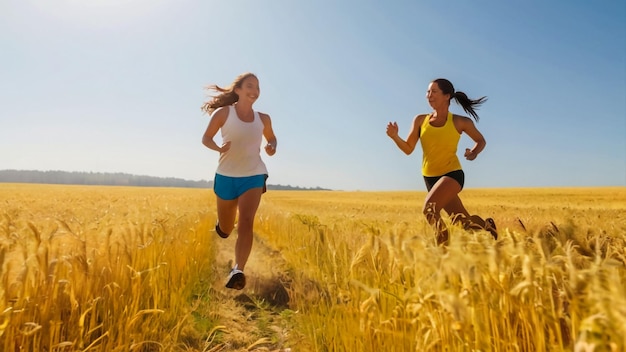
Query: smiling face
point(248, 90)
point(435, 96)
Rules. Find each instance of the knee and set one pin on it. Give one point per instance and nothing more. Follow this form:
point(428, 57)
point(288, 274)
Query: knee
point(245, 221)
point(430, 211)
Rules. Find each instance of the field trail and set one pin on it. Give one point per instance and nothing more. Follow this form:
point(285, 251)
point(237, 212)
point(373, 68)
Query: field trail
point(265, 270)
point(251, 316)
point(134, 268)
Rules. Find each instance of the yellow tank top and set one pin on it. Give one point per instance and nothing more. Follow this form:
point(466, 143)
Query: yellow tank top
point(439, 146)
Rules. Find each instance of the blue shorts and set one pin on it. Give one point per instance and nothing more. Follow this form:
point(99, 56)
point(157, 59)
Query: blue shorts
point(229, 188)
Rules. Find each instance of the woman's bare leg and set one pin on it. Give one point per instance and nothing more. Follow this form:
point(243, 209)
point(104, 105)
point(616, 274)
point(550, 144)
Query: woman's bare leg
point(226, 214)
point(446, 190)
point(248, 205)
point(456, 210)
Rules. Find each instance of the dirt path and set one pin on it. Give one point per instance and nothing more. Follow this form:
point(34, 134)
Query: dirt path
point(252, 317)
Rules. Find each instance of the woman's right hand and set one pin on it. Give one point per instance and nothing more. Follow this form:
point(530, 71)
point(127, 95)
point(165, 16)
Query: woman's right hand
point(392, 129)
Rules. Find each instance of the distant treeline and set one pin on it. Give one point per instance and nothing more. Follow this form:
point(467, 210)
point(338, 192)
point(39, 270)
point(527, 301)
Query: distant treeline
point(111, 179)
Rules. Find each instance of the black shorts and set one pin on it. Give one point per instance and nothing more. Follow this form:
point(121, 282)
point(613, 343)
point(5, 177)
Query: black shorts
point(457, 175)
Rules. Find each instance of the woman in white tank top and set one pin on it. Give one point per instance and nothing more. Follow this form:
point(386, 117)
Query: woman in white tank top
point(241, 174)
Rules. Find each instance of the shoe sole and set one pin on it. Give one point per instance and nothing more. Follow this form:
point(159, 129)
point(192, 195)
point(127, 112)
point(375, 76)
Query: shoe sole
point(237, 281)
point(490, 226)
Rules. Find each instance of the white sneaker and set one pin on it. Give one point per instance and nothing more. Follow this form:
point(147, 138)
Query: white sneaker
point(236, 279)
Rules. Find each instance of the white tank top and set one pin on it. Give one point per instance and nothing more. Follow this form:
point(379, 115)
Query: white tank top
point(244, 156)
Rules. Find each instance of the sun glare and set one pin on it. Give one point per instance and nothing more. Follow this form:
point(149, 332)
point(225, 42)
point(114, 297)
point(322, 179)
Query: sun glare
point(99, 13)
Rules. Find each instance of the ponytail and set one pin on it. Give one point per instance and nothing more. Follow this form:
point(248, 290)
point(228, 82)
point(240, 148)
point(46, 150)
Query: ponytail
point(469, 105)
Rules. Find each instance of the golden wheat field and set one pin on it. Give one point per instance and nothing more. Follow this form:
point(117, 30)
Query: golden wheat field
point(98, 268)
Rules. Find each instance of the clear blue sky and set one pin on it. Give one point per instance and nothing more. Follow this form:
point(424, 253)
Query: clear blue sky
point(117, 85)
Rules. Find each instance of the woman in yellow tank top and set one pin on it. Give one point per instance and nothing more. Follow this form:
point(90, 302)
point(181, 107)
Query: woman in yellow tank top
point(439, 133)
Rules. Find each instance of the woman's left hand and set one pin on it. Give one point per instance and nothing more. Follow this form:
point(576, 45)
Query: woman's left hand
point(469, 154)
point(270, 149)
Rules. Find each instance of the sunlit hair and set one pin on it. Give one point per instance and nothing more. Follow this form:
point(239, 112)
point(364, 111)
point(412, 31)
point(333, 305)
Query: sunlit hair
point(469, 105)
point(226, 96)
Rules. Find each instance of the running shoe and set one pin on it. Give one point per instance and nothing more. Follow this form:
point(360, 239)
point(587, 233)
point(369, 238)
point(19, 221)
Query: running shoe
point(236, 279)
point(219, 231)
point(490, 226)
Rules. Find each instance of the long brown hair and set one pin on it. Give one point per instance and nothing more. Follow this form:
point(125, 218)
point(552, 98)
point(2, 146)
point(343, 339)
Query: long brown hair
point(469, 105)
point(226, 96)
